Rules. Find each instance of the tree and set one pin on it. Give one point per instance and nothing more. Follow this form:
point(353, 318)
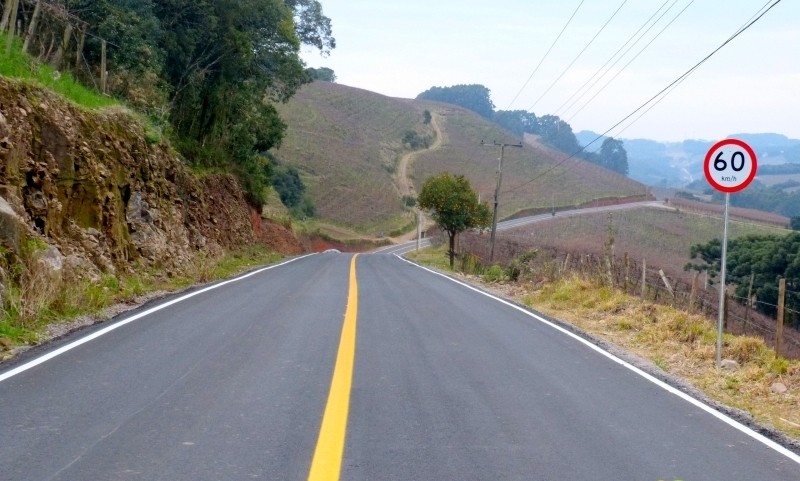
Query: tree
point(473, 97)
point(520, 122)
point(613, 156)
point(557, 134)
point(766, 258)
point(453, 205)
point(323, 74)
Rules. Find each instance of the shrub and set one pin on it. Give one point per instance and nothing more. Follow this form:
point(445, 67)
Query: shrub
point(494, 274)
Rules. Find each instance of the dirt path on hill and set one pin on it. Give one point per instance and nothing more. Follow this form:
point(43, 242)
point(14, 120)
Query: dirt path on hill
point(406, 186)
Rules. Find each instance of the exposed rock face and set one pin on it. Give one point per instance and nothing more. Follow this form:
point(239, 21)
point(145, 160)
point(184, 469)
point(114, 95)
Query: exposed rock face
point(11, 226)
point(90, 184)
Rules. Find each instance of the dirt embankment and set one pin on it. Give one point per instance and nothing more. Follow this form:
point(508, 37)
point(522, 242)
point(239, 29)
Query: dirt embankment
point(105, 196)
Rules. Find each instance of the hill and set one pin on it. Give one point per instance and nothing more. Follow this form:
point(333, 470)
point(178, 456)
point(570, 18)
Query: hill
point(348, 143)
point(678, 164)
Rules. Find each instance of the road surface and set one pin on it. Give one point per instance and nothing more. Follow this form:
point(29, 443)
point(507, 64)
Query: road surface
point(417, 377)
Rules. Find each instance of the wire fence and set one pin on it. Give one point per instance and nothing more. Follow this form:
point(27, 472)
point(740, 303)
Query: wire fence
point(55, 36)
point(640, 279)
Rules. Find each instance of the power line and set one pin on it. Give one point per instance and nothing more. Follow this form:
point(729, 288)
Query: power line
point(677, 84)
point(630, 61)
point(651, 99)
point(545, 56)
point(558, 110)
point(579, 54)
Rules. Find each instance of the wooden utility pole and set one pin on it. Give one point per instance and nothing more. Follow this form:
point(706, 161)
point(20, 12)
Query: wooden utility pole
point(781, 310)
point(497, 192)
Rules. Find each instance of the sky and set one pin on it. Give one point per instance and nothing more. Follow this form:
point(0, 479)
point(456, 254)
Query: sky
point(752, 85)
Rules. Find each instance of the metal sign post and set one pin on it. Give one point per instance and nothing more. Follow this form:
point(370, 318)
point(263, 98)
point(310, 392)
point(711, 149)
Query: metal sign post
point(723, 261)
point(730, 165)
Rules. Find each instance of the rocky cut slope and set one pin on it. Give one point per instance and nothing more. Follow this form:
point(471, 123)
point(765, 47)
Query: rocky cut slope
point(101, 196)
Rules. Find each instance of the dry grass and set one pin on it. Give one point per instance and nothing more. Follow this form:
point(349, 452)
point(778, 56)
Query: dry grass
point(681, 344)
point(347, 143)
point(663, 237)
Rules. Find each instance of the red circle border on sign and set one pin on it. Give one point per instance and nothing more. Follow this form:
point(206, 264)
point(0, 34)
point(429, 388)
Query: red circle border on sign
point(707, 165)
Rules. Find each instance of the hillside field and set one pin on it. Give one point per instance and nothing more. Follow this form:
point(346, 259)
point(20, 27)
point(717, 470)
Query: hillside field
point(347, 144)
point(662, 237)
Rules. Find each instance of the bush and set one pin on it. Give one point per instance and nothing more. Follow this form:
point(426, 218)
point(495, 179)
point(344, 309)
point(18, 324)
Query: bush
point(494, 274)
point(471, 264)
point(520, 267)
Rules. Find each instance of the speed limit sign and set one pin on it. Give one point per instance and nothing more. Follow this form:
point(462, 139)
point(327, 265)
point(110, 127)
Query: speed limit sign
point(730, 165)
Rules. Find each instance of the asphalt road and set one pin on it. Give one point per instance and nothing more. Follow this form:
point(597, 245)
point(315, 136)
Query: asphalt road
point(447, 384)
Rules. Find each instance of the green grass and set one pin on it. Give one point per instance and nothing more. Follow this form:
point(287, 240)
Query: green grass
point(18, 65)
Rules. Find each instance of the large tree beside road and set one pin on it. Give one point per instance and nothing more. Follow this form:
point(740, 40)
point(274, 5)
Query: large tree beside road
point(453, 205)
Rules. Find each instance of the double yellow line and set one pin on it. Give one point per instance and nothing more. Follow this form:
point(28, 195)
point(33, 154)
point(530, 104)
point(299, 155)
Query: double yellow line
point(327, 462)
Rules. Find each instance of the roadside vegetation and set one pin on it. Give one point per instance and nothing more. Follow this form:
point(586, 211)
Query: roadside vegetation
point(43, 303)
point(673, 341)
point(18, 65)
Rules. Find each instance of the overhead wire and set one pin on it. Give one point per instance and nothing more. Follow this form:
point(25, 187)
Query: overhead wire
point(677, 84)
point(607, 70)
point(654, 97)
point(536, 69)
point(579, 55)
point(630, 61)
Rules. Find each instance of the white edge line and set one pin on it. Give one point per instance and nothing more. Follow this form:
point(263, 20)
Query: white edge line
point(722, 417)
point(72, 345)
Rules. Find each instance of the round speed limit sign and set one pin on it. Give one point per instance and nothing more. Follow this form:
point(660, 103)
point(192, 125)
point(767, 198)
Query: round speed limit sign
point(730, 165)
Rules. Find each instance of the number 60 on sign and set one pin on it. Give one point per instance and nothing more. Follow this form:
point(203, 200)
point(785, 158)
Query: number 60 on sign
point(730, 165)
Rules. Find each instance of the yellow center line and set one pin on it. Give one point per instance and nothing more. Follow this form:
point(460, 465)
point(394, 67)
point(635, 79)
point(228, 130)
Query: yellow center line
point(327, 462)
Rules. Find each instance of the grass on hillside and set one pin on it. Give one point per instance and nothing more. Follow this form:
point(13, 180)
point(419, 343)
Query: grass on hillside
point(676, 342)
point(16, 64)
point(346, 143)
point(662, 237)
point(533, 176)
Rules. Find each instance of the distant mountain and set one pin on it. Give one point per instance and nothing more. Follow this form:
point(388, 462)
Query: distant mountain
point(677, 164)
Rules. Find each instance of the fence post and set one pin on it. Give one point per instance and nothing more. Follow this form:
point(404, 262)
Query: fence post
point(103, 67)
point(644, 278)
point(37, 10)
point(12, 24)
point(79, 49)
point(627, 262)
point(781, 310)
point(666, 282)
point(58, 58)
point(693, 295)
point(749, 302)
point(7, 7)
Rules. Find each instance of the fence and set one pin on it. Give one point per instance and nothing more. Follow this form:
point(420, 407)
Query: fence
point(56, 37)
point(648, 282)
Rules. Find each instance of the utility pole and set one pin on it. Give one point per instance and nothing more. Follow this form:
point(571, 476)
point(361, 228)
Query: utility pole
point(497, 191)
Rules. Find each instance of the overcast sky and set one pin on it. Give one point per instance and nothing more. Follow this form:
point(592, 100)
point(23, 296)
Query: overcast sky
point(402, 48)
